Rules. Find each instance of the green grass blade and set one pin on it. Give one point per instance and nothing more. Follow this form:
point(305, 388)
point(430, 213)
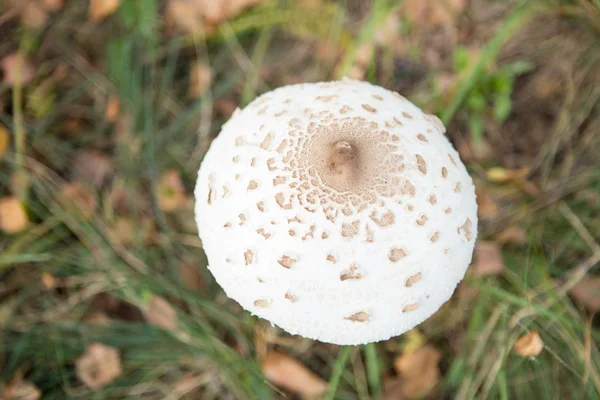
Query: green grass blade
point(336, 374)
point(373, 374)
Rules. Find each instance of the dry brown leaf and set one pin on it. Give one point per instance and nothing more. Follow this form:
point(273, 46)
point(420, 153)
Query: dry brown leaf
point(92, 167)
point(512, 235)
point(529, 345)
point(100, 9)
point(224, 107)
point(291, 375)
point(113, 109)
point(487, 259)
point(393, 388)
point(431, 13)
point(171, 193)
point(200, 16)
point(4, 141)
point(53, 5)
point(200, 79)
point(191, 277)
point(13, 218)
point(503, 175)
point(217, 11)
point(162, 314)
point(487, 208)
point(98, 366)
point(80, 197)
point(48, 280)
point(587, 293)
point(20, 390)
point(33, 15)
point(419, 370)
point(16, 68)
point(185, 15)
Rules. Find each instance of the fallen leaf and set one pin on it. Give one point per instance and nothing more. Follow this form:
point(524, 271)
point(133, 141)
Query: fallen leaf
point(529, 345)
point(20, 390)
point(91, 167)
point(98, 366)
point(587, 293)
point(33, 15)
point(225, 107)
point(48, 280)
point(81, 198)
point(393, 388)
point(432, 13)
point(487, 259)
point(4, 141)
point(512, 235)
point(217, 11)
point(419, 370)
point(160, 313)
point(171, 193)
point(190, 276)
point(100, 9)
point(200, 79)
point(16, 68)
point(185, 16)
point(291, 375)
point(200, 16)
point(503, 175)
point(113, 109)
point(487, 208)
point(13, 218)
point(53, 5)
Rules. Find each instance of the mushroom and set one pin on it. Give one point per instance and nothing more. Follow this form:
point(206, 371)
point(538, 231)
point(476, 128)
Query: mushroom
point(323, 208)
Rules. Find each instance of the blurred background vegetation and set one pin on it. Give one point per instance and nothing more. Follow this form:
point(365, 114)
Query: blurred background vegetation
point(108, 106)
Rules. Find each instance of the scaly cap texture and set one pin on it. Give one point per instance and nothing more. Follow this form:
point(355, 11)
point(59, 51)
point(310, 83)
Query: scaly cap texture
point(338, 211)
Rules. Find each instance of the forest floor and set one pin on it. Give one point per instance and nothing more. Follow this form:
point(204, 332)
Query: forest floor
point(107, 108)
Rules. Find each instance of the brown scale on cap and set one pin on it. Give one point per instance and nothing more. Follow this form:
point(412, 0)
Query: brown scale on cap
point(263, 303)
point(413, 279)
point(287, 261)
point(351, 273)
point(248, 256)
point(396, 254)
point(290, 297)
point(359, 317)
point(466, 230)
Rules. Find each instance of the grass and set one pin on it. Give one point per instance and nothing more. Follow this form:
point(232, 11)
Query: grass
point(211, 342)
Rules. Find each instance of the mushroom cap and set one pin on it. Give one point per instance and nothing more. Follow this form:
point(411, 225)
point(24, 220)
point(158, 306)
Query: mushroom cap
point(338, 211)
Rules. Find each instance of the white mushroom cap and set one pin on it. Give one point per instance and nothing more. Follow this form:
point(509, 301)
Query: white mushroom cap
point(338, 211)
